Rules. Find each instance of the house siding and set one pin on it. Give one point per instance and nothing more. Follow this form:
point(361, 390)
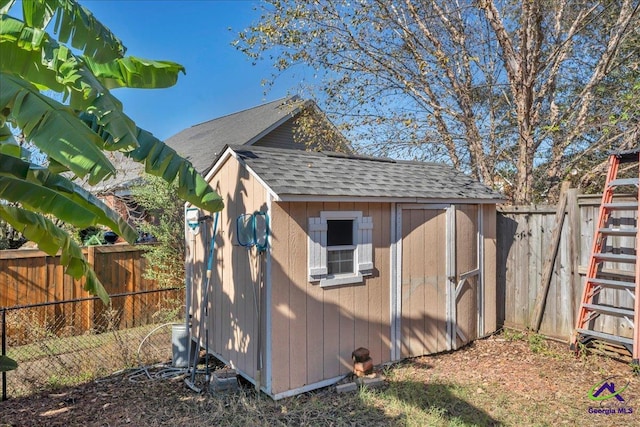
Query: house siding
point(316, 329)
point(281, 137)
point(233, 320)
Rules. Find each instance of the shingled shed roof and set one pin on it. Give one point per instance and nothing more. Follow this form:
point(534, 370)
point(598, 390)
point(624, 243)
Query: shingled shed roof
point(202, 143)
point(297, 175)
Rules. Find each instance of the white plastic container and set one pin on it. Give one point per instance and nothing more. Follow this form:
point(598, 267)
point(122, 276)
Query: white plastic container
point(179, 346)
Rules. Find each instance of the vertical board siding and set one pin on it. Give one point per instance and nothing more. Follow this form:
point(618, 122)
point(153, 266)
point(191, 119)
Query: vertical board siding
point(314, 329)
point(423, 322)
point(348, 316)
point(235, 309)
point(280, 311)
point(523, 236)
point(315, 319)
point(298, 303)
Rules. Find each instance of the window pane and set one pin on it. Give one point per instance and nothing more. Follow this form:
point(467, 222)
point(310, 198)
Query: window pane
point(339, 262)
point(339, 232)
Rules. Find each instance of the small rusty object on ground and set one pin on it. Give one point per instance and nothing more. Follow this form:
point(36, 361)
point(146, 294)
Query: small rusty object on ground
point(362, 362)
point(363, 368)
point(360, 355)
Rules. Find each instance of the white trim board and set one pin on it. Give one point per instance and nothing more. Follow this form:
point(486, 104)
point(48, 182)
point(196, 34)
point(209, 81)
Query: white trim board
point(394, 277)
point(450, 312)
point(308, 387)
point(267, 344)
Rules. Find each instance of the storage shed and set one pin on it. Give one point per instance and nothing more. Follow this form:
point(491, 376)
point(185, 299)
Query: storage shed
point(395, 256)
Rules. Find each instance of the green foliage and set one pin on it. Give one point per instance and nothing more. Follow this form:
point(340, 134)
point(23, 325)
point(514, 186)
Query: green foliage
point(57, 67)
point(512, 335)
point(163, 220)
point(91, 236)
point(9, 238)
point(537, 343)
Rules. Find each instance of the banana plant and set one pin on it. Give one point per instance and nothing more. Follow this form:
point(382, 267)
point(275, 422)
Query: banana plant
point(58, 66)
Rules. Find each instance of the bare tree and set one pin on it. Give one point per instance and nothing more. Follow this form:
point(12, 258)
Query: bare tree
point(507, 91)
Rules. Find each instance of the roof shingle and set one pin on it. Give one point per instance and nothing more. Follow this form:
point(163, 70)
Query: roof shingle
point(302, 173)
point(202, 143)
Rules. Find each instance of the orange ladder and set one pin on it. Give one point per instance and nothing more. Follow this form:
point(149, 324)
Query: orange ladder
point(613, 266)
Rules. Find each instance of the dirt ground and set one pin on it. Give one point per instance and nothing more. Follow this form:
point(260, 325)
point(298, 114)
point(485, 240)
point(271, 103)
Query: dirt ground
point(502, 380)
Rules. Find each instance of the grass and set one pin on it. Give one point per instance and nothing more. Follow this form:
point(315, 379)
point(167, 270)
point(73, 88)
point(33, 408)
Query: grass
point(55, 362)
point(55, 346)
point(523, 381)
point(414, 402)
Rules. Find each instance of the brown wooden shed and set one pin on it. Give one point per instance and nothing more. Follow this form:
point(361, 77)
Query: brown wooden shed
point(395, 256)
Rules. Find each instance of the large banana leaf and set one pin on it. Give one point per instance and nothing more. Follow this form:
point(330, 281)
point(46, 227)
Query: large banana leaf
point(5, 5)
point(54, 128)
point(74, 24)
point(161, 160)
point(52, 239)
point(74, 135)
point(40, 190)
point(136, 73)
point(7, 364)
point(48, 65)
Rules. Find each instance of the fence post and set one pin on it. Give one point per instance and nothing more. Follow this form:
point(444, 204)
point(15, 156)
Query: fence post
point(89, 321)
point(538, 311)
point(575, 286)
point(4, 353)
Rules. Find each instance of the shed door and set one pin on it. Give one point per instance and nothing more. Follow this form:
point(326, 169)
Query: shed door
point(438, 306)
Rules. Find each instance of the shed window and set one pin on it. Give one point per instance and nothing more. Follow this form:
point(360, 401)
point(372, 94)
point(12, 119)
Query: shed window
point(339, 261)
point(340, 248)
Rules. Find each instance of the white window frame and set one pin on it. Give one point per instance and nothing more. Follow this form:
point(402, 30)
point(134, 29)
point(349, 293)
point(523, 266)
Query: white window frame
point(317, 255)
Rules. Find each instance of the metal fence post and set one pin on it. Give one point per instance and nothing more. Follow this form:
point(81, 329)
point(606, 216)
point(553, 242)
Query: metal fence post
point(4, 353)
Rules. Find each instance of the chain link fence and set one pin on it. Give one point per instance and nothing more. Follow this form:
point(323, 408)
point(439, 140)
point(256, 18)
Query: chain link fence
point(66, 343)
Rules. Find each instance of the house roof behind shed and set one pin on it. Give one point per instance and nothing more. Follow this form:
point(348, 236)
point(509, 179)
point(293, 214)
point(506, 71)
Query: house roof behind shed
point(202, 143)
point(300, 173)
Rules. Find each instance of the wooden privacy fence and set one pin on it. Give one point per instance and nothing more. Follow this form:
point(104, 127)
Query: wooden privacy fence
point(524, 234)
point(31, 277)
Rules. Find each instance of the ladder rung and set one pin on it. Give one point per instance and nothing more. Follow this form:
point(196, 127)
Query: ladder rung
point(621, 205)
point(623, 181)
point(619, 231)
point(605, 336)
point(615, 257)
point(612, 283)
point(607, 309)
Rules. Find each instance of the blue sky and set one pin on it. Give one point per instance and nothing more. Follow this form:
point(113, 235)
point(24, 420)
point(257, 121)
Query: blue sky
point(196, 34)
